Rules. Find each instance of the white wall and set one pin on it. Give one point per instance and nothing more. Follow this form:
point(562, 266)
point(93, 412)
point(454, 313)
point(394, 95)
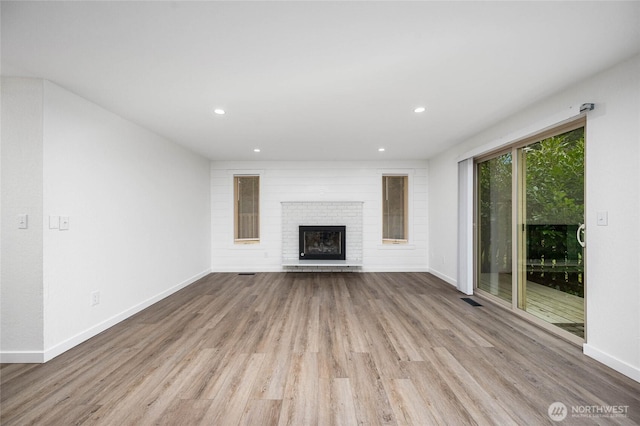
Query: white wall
point(317, 181)
point(140, 220)
point(21, 308)
point(612, 185)
point(443, 214)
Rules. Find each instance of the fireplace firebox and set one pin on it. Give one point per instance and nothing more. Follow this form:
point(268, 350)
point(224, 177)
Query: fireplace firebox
point(322, 242)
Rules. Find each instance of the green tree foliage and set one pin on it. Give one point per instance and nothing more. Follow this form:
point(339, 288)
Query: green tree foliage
point(554, 191)
point(494, 200)
point(555, 179)
point(555, 209)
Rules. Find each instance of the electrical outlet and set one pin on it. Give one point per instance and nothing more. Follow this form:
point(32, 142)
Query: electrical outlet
point(95, 298)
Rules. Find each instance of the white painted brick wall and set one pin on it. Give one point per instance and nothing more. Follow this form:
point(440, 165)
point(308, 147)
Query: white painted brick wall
point(306, 184)
point(322, 213)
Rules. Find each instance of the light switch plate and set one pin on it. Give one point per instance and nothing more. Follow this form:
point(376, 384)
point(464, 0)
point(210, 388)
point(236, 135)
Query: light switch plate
point(54, 222)
point(602, 218)
point(64, 223)
point(23, 221)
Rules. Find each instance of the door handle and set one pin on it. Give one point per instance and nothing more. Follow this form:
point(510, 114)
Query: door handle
point(580, 230)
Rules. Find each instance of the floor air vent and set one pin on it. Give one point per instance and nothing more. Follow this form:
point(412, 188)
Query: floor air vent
point(247, 273)
point(471, 301)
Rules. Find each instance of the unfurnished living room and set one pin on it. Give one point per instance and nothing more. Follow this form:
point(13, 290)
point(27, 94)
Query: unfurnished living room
point(316, 213)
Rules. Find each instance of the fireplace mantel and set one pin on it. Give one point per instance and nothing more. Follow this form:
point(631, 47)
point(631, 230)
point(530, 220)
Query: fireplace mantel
point(321, 263)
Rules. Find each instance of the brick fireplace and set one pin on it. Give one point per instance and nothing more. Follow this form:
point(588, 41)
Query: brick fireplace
point(347, 214)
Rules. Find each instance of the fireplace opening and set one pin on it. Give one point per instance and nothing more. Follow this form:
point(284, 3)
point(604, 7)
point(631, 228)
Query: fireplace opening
point(322, 242)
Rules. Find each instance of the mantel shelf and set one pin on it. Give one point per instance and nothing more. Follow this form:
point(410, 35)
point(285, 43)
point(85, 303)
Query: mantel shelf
point(312, 262)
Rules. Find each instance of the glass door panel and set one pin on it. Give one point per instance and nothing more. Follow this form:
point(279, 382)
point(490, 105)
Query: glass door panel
point(494, 230)
point(551, 215)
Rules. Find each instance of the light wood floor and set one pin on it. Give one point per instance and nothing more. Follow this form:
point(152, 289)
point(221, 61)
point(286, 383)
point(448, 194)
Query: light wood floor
point(321, 348)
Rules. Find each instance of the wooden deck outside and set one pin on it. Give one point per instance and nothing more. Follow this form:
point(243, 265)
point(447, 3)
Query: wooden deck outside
point(549, 304)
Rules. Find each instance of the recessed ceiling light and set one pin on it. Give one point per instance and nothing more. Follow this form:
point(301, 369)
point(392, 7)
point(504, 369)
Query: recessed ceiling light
point(380, 149)
point(218, 111)
point(256, 149)
point(419, 109)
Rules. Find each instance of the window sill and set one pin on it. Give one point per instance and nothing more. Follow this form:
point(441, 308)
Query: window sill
point(246, 242)
point(394, 242)
point(398, 246)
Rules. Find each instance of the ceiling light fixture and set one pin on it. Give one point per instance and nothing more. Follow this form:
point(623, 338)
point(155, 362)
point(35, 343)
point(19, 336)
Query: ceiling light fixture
point(419, 109)
point(380, 149)
point(256, 149)
point(218, 111)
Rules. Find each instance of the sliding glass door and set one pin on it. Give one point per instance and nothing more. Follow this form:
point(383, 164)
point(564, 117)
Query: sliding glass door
point(530, 227)
point(494, 230)
point(551, 261)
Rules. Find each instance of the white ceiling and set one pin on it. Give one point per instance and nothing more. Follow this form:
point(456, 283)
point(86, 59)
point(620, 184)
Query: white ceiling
point(316, 80)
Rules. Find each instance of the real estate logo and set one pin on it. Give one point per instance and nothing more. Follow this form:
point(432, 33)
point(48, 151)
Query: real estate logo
point(557, 411)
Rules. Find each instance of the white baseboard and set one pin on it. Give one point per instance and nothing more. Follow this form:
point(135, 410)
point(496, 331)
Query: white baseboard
point(54, 351)
point(620, 366)
point(24, 357)
point(246, 269)
point(373, 268)
point(382, 268)
point(444, 277)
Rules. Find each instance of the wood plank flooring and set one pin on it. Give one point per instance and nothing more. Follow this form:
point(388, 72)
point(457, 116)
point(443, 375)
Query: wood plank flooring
point(315, 348)
point(548, 304)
